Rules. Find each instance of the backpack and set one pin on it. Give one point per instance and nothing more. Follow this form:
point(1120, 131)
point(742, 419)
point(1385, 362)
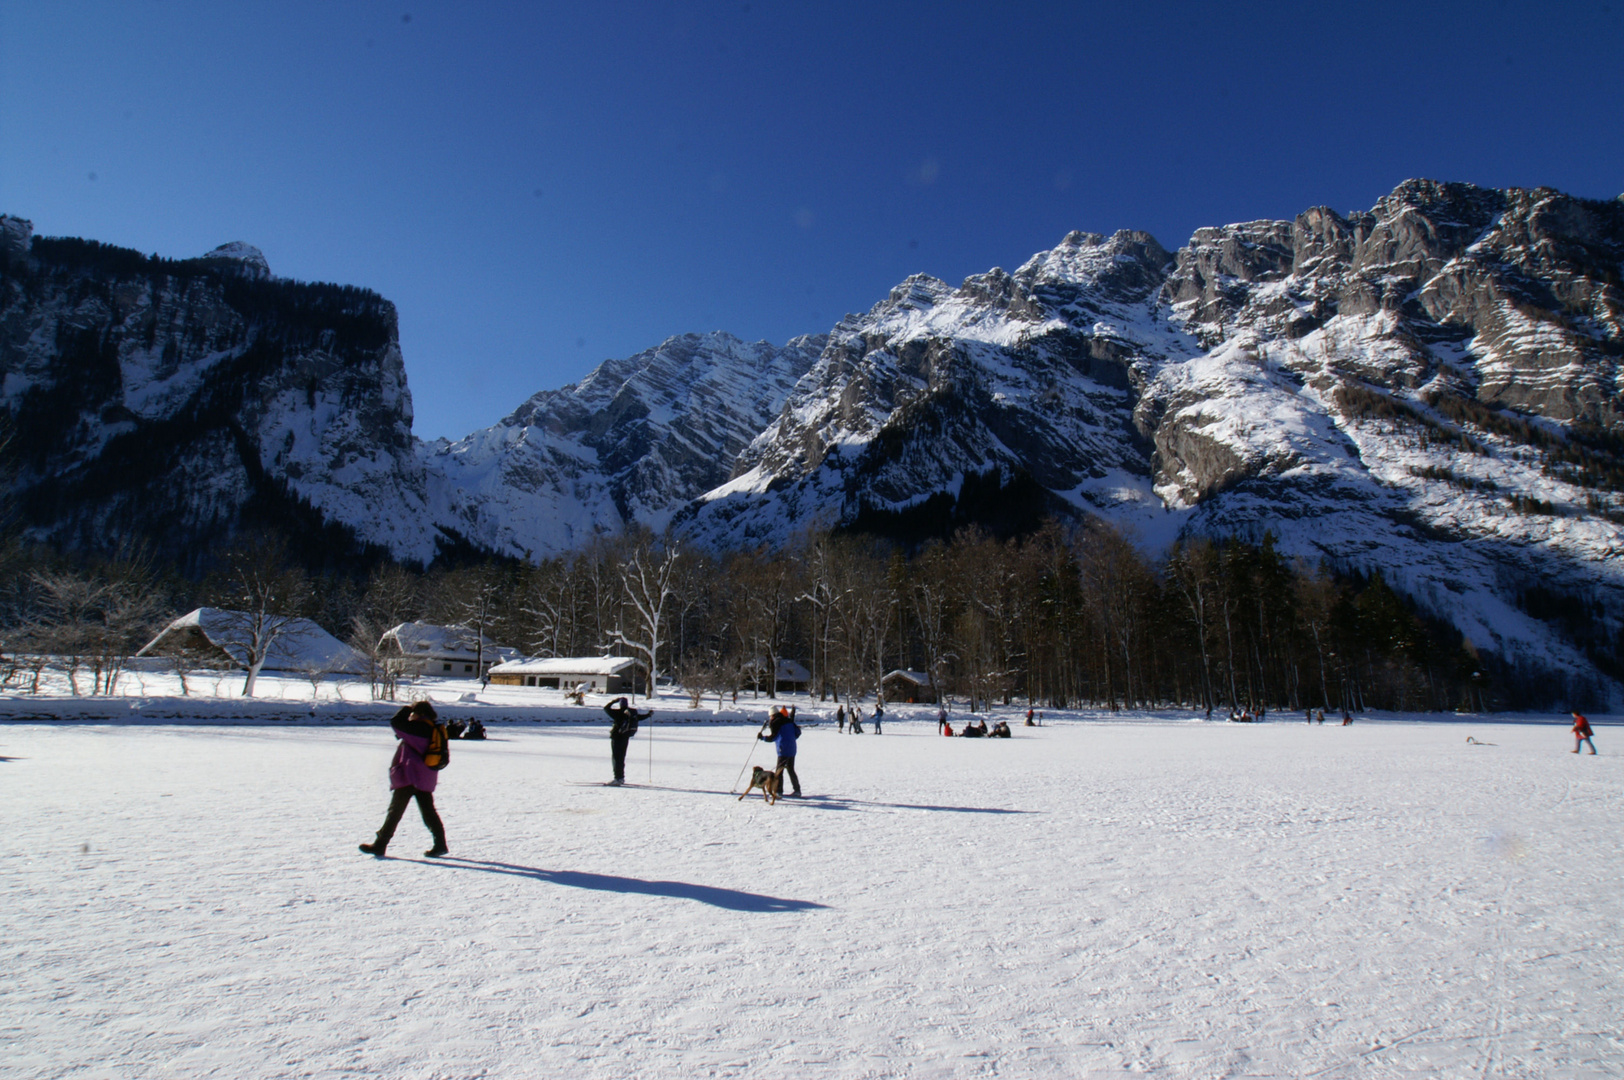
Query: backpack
point(438, 753)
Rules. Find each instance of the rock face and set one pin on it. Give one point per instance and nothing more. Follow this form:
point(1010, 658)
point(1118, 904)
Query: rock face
point(630, 443)
point(178, 402)
point(1430, 389)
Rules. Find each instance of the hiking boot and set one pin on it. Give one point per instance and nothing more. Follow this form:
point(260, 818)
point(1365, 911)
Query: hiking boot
point(618, 782)
point(436, 851)
point(375, 850)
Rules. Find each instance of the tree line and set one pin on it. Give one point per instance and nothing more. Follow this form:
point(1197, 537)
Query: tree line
point(1066, 616)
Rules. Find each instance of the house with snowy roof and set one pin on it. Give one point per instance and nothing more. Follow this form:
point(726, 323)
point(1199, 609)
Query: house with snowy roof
point(446, 651)
point(598, 674)
point(218, 637)
point(914, 687)
point(791, 676)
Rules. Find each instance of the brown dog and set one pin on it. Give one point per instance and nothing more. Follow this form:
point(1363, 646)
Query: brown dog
point(768, 780)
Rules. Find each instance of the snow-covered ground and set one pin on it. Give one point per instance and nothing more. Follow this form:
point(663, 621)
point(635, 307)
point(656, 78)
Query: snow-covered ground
point(1089, 898)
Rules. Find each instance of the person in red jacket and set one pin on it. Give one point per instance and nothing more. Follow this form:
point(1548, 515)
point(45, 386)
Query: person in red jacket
point(410, 777)
point(1581, 733)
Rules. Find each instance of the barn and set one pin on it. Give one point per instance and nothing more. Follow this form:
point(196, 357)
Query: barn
point(446, 651)
point(218, 638)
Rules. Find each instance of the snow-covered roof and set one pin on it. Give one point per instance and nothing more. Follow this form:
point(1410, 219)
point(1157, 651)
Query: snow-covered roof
point(427, 640)
point(299, 645)
point(919, 678)
point(566, 665)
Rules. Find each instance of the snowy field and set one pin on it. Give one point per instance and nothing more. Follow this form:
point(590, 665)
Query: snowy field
point(1088, 899)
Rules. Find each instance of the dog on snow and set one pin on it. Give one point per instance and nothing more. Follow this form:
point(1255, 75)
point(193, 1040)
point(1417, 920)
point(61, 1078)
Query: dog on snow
point(768, 780)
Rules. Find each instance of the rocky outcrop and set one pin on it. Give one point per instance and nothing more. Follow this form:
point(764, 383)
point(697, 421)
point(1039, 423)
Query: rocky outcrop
point(178, 402)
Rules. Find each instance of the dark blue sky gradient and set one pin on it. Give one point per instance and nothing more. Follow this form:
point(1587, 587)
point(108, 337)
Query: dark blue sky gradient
point(539, 187)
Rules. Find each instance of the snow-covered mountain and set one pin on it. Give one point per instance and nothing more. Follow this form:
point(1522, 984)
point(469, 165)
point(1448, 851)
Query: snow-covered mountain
point(180, 401)
point(1430, 388)
point(631, 443)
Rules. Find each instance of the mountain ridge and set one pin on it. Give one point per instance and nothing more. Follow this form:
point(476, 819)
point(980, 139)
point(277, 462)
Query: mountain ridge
point(1430, 388)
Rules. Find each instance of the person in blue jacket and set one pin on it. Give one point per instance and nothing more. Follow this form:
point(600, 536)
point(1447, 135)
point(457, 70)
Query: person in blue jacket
point(783, 731)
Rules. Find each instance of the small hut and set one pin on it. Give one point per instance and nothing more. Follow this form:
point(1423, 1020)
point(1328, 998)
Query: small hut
point(791, 677)
point(912, 687)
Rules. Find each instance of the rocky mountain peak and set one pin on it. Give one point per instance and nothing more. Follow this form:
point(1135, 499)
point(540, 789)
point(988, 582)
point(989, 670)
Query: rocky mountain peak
point(15, 235)
point(246, 258)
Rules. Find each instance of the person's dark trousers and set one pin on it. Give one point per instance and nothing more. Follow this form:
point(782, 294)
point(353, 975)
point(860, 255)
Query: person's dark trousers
point(788, 765)
point(397, 806)
point(617, 747)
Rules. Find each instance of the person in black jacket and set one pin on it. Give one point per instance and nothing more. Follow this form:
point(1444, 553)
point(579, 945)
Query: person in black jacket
point(623, 725)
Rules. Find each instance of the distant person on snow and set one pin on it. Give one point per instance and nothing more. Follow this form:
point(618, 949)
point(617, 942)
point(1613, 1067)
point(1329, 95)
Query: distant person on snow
point(941, 719)
point(840, 720)
point(409, 778)
point(1581, 733)
point(879, 714)
point(622, 726)
point(947, 729)
point(784, 731)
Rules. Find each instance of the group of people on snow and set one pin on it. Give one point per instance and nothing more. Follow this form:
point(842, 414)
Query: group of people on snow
point(413, 771)
point(853, 724)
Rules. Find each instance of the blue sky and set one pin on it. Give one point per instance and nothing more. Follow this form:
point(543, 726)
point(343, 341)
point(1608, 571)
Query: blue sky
point(541, 186)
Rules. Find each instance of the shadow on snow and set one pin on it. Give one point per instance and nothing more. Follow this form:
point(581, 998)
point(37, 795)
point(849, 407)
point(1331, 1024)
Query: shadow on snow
point(835, 802)
point(731, 899)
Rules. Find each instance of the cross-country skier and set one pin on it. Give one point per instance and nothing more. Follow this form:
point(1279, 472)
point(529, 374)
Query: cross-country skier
point(1581, 733)
point(784, 731)
point(410, 777)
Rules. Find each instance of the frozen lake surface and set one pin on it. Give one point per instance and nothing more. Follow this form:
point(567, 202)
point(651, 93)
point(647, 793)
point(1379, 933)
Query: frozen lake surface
point(1085, 899)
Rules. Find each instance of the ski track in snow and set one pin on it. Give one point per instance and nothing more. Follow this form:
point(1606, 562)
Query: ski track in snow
point(1086, 899)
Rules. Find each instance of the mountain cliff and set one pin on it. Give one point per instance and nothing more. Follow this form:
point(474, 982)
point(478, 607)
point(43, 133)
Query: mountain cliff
point(179, 401)
point(1430, 389)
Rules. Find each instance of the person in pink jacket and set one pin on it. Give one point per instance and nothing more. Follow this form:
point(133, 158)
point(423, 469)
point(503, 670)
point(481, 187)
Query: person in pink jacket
point(409, 778)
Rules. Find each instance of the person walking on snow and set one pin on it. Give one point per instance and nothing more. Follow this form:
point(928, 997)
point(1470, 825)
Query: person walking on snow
point(840, 720)
point(409, 778)
point(783, 731)
point(1581, 733)
point(879, 714)
point(623, 725)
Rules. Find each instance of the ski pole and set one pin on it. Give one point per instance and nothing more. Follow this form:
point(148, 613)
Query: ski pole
point(752, 753)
